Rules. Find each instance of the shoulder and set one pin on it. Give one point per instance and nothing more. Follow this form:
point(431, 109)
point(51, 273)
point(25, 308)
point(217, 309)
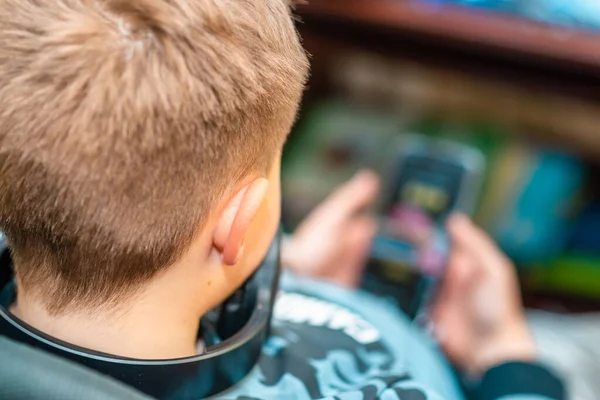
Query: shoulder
point(319, 348)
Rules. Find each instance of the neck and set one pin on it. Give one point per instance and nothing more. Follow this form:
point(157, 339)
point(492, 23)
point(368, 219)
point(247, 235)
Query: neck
point(156, 326)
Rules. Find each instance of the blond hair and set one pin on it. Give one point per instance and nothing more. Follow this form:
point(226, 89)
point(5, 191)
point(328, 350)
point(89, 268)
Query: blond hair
point(121, 124)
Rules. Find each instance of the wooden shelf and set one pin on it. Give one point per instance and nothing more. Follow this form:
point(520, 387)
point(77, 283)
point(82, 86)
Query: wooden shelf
point(465, 25)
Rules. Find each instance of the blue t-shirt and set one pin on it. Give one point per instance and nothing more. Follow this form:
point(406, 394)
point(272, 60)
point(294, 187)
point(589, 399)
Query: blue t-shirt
point(332, 343)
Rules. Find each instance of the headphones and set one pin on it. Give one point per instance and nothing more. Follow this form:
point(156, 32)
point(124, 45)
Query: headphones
point(233, 334)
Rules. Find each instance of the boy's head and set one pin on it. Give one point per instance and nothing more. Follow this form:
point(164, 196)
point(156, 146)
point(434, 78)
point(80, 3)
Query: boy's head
point(135, 134)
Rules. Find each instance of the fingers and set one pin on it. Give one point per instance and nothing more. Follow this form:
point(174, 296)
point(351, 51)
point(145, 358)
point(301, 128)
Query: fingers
point(353, 196)
point(466, 235)
point(451, 306)
point(463, 232)
point(358, 238)
point(360, 234)
point(460, 273)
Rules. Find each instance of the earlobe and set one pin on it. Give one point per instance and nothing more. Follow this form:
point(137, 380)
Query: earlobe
point(236, 219)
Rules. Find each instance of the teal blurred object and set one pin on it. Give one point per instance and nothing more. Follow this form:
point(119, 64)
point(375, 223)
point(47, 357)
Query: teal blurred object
point(535, 219)
point(496, 5)
point(569, 13)
point(586, 233)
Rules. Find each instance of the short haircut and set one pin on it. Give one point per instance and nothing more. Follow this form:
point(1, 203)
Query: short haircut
point(122, 122)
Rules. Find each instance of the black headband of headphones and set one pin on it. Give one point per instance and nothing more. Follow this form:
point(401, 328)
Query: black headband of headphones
point(233, 335)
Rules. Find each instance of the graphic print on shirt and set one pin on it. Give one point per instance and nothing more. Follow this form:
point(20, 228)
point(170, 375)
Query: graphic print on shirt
point(328, 351)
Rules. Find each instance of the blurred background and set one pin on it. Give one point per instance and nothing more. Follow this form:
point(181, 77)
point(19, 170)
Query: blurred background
point(519, 80)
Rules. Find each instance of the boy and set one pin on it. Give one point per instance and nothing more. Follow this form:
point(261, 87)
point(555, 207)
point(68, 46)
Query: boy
point(140, 143)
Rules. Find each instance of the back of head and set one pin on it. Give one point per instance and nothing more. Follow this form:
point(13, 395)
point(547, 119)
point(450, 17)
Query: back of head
point(121, 124)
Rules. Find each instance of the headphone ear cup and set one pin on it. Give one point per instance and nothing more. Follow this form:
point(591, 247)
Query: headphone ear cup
point(237, 309)
point(274, 257)
point(233, 334)
point(7, 281)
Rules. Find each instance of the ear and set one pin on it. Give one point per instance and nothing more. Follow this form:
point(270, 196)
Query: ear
point(235, 220)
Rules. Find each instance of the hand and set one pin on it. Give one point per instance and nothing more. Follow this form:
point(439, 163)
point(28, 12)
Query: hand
point(333, 242)
point(478, 317)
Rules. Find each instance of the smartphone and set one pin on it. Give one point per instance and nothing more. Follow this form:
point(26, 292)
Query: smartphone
point(430, 179)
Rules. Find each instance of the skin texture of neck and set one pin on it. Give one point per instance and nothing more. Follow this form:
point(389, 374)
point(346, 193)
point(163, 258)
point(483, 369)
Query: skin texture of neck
point(161, 322)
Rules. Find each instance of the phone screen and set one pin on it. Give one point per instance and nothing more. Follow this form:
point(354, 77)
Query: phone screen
point(409, 253)
point(428, 185)
point(411, 233)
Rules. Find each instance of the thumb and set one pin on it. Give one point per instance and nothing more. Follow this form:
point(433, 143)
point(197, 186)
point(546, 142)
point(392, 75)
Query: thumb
point(466, 235)
point(356, 246)
point(453, 294)
point(353, 196)
point(460, 272)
